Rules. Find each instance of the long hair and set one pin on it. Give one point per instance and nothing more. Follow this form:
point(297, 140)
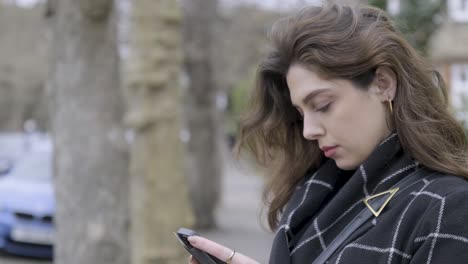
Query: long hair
point(346, 42)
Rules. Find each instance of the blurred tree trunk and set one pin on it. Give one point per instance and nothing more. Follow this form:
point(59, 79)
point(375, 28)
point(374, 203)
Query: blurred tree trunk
point(159, 193)
point(203, 161)
point(91, 160)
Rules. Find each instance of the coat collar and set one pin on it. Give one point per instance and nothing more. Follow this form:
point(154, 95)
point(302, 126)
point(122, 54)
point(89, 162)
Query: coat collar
point(318, 210)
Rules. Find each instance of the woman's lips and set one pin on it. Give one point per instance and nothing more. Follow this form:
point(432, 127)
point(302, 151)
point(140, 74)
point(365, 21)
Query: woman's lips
point(329, 151)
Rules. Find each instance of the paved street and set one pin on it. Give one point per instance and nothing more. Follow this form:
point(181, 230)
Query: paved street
point(6, 259)
point(238, 217)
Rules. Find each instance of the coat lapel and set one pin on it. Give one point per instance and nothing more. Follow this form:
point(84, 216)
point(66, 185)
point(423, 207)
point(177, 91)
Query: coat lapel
point(304, 204)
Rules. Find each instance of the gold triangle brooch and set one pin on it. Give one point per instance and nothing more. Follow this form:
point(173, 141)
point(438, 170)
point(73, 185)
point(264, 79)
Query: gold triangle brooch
point(377, 211)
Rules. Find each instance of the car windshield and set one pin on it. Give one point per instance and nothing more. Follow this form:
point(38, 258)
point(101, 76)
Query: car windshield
point(33, 167)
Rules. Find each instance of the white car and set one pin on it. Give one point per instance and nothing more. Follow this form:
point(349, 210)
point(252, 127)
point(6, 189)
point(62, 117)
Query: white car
point(27, 203)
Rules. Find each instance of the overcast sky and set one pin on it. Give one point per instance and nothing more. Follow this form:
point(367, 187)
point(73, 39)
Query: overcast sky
point(283, 4)
point(24, 2)
point(264, 3)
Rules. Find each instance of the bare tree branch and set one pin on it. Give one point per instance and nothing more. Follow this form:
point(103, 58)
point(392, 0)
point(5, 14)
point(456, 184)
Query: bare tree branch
point(50, 8)
point(96, 10)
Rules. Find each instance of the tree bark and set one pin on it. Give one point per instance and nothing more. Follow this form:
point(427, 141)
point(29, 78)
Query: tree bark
point(159, 195)
point(203, 166)
point(91, 157)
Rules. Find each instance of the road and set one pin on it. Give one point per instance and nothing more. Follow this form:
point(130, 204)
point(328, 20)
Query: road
point(240, 225)
point(7, 259)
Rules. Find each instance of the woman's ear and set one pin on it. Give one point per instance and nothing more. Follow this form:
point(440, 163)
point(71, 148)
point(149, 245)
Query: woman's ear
point(385, 82)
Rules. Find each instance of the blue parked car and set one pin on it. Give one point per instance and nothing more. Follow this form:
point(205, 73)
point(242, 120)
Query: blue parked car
point(27, 204)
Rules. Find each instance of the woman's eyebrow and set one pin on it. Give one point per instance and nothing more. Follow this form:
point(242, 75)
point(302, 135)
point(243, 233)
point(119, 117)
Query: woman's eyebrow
point(311, 95)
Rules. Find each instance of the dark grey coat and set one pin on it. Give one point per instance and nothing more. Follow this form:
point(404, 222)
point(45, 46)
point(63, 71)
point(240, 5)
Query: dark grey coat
point(426, 222)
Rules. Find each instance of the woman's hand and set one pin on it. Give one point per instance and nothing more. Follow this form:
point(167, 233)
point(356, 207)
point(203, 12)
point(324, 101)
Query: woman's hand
point(221, 252)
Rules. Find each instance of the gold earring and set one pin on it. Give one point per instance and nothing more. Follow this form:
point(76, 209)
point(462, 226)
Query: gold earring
point(390, 105)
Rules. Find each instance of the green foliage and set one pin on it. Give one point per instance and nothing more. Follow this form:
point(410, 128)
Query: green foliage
point(238, 99)
point(416, 19)
point(239, 96)
point(382, 4)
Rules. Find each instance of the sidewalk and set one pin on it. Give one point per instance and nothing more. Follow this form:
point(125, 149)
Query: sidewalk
point(238, 215)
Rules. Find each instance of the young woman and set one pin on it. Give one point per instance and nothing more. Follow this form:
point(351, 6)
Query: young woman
point(346, 112)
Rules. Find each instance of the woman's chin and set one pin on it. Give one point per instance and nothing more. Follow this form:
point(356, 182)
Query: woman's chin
point(345, 165)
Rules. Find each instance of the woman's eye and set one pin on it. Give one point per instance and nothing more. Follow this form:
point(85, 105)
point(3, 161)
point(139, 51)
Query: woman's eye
point(323, 108)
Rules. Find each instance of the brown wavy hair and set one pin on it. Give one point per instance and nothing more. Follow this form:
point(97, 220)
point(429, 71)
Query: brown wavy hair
point(346, 42)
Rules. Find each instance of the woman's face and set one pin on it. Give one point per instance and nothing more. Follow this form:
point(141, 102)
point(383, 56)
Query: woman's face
point(347, 122)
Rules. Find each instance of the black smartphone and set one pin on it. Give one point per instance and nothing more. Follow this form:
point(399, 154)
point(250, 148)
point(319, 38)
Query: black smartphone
point(201, 256)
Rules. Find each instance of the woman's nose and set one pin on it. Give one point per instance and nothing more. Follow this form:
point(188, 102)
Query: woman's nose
point(312, 130)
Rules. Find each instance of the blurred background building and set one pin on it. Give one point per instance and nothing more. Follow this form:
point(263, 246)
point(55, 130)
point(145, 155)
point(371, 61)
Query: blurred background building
point(449, 51)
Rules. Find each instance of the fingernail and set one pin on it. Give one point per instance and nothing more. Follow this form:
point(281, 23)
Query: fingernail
point(192, 240)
